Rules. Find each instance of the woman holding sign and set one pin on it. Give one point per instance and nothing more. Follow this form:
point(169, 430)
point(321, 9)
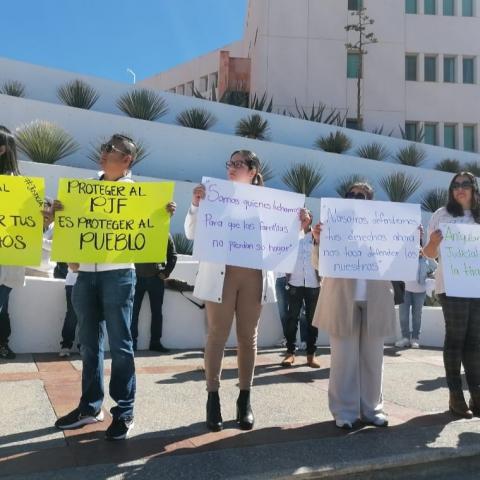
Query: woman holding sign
point(228, 291)
point(462, 315)
point(358, 315)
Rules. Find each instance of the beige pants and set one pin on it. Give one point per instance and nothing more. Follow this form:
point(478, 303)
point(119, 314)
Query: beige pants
point(242, 293)
point(356, 371)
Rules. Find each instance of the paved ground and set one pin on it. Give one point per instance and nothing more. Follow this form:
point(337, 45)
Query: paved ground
point(294, 433)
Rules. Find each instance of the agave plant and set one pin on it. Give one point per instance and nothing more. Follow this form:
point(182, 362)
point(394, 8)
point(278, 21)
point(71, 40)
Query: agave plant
point(266, 171)
point(434, 199)
point(143, 104)
point(183, 245)
point(319, 114)
point(45, 142)
point(198, 118)
point(399, 186)
point(412, 155)
point(78, 93)
point(419, 134)
point(373, 151)
point(253, 126)
point(14, 88)
point(448, 165)
point(472, 167)
point(303, 178)
point(379, 131)
point(336, 142)
point(94, 151)
point(345, 183)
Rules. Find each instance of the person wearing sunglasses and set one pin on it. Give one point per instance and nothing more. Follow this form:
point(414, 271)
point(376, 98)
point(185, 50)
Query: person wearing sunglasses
point(462, 315)
point(103, 300)
point(227, 291)
point(358, 315)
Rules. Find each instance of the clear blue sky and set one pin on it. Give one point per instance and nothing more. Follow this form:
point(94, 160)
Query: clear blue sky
point(104, 37)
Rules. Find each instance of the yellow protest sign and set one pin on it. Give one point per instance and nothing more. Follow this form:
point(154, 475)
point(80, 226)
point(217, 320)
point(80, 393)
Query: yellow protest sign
point(21, 222)
point(112, 222)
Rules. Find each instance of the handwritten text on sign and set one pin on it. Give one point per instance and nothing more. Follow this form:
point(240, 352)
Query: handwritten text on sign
point(369, 240)
point(21, 223)
point(460, 250)
point(112, 222)
point(248, 226)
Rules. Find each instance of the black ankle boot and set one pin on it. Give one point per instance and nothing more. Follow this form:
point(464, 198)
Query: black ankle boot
point(214, 414)
point(245, 417)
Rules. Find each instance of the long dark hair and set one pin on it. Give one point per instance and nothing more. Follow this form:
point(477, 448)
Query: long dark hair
point(454, 208)
point(253, 162)
point(8, 160)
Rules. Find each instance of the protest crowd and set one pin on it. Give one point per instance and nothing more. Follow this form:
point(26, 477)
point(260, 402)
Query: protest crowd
point(342, 273)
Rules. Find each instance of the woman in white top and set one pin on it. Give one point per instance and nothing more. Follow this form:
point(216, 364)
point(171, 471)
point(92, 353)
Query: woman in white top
point(462, 315)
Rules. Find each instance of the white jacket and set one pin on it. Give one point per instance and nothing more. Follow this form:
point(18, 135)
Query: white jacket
point(210, 276)
point(12, 276)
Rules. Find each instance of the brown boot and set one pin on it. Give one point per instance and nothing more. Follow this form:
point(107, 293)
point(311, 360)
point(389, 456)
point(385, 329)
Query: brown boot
point(458, 406)
point(475, 403)
point(289, 360)
point(311, 362)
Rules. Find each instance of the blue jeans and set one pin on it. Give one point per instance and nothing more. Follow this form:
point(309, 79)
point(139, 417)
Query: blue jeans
point(282, 301)
point(155, 287)
point(4, 317)
point(104, 300)
point(414, 301)
point(70, 322)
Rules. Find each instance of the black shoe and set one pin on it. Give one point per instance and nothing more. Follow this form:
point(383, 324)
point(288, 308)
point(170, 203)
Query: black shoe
point(5, 352)
point(214, 414)
point(134, 345)
point(158, 347)
point(245, 417)
point(119, 429)
point(75, 419)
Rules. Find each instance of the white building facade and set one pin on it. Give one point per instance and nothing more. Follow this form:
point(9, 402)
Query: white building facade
point(423, 75)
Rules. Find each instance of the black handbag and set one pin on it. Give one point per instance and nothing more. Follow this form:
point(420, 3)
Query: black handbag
point(398, 292)
point(181, 287)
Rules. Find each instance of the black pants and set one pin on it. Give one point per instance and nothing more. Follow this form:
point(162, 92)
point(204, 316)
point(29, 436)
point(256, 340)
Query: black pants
point(296, 297)
point(462, 341)
point(5, 330)
point(70, 322)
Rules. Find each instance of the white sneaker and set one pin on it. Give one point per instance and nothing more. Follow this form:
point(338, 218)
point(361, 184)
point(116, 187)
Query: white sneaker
point(379, 420)
point(343, 424)
point(403, 343)
point(64, 352)
point(414, 343)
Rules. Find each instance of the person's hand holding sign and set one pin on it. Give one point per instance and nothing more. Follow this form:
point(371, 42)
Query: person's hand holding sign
point(316, 231)
point(171, 207)
point(198, 194)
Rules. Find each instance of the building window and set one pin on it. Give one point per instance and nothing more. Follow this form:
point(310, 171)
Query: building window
point(430, 74)
point(431, 134)
point(204, 83)
point(430, 7)
point(411, 67)
point(411, 130)
point(353, 65)
point(189, 89)
point(449, 136)
point(468, 70)
point(212, 80)
point(467, 8)
point(181, 89)
point(449, 69)
point(355, 4)
point(411, 6)
point(469, 138)
point(352, 123)
point(449, 8)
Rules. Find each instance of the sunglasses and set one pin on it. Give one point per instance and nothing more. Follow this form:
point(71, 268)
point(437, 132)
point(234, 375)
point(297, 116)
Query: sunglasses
point(463, 185)
point(109, 148)
point(358, 196)
point(235, 164)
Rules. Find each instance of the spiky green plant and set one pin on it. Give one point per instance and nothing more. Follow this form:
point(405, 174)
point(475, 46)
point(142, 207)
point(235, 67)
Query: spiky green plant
point(14, 88)
point(319, 114)
point(411, 155)
point(379, 131)
point(303, 178)
point(434, 199)
point(373, 151)
point(183, 245)
point(448, 165)
point(143, 104)
point(45, 142)
point(261, 103)
point(78, 93)
point(345, 183)
point(253, 126)
point(94, 152)
point(336, 142)
point(399, 186)
point(198, 118)
point(419, 135)
point(472, 167)
point(266, 171)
